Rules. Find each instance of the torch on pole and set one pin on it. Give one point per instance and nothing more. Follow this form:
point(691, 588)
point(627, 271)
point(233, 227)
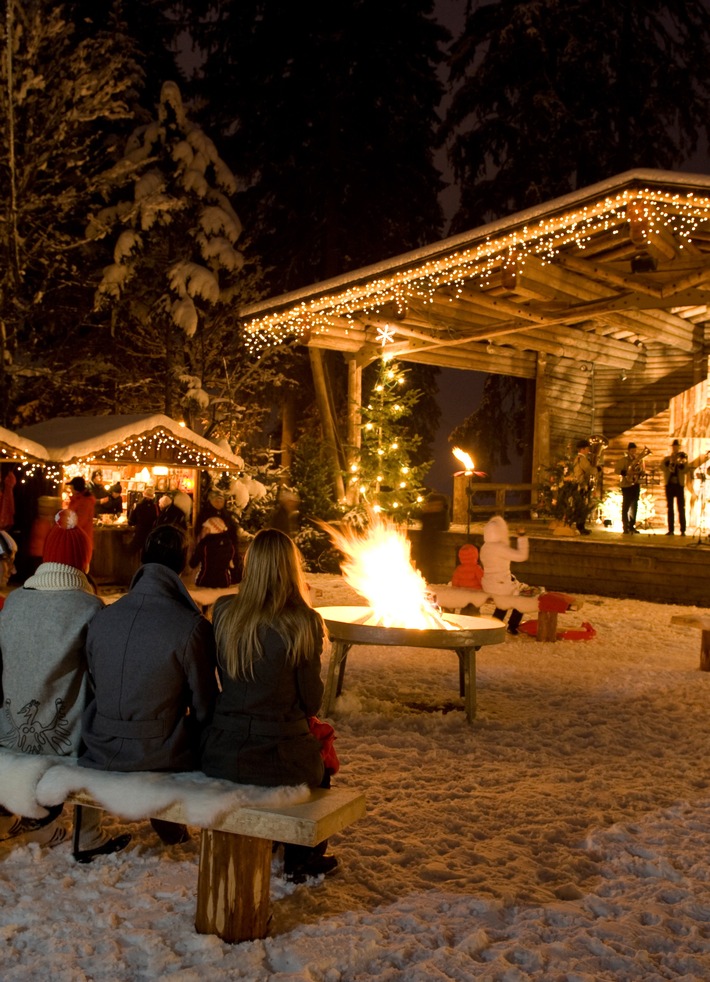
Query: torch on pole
point(470, 473)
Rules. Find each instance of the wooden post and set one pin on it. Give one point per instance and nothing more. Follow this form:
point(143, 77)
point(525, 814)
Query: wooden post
point(330, 435)
point(541, 437)
point(354, 421)
point(546, 625)
point(233, 886)
point(705, 651)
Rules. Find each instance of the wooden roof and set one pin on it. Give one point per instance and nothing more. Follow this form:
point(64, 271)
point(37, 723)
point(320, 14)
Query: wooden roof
point(595, 276)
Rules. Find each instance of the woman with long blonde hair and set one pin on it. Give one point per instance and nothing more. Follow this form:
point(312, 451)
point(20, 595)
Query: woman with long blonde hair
point(269, 643)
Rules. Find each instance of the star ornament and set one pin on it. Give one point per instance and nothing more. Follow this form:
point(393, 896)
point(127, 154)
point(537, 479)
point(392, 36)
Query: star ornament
point(385, 335)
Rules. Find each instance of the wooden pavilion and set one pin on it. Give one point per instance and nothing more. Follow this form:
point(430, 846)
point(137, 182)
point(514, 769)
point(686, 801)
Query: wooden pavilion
point(600, 299)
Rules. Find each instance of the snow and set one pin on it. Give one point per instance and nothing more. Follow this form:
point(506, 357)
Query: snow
point(562, 836)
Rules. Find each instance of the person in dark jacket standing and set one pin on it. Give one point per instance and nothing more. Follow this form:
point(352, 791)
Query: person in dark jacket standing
point(213, 555)
point(269, 642)
point(151, 658)
point(143, 517)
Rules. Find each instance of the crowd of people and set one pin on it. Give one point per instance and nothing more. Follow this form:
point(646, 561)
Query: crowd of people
point(147, 683)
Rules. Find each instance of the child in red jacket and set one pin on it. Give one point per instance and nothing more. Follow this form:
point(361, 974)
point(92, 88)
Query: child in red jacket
point(469, 572)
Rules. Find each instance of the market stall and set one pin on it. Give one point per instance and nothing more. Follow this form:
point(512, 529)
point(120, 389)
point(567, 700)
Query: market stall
point(133, 453)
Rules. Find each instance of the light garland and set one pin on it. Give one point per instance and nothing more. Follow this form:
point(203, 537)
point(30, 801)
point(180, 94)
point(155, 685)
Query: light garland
point(157, 446)
point(645, 211)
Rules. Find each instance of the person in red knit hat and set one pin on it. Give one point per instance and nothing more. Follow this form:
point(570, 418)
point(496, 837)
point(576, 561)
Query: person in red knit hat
point(45, 685)
point(82, 502)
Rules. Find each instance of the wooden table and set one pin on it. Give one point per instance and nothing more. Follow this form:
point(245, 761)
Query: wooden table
point(346, 628)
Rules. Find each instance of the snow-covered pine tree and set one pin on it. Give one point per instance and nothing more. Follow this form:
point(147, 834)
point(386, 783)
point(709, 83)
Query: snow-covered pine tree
point(177, 277)
point(63, 89)
point(387, 480)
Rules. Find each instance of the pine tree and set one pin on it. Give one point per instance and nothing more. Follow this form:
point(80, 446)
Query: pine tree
point(387, 479)
point(553, 95)
point(176, 277)
point(62, 92)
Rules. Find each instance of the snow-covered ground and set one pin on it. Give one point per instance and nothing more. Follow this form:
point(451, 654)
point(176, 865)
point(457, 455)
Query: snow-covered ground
point(564, 836)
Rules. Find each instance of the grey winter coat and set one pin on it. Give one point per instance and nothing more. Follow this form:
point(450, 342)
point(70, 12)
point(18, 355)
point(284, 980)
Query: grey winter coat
point(151, 660)
point(259, 734)
point(44, 687)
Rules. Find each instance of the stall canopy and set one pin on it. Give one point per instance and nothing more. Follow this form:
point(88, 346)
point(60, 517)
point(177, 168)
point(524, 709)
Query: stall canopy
point(125, 439)
point(17, 448)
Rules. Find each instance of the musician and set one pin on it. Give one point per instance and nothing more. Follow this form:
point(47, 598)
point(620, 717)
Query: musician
point(631, 469)
point(583, 472)
point(674, 478)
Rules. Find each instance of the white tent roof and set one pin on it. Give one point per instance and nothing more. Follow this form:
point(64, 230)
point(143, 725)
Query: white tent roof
point(13, 446)
point(71, 438)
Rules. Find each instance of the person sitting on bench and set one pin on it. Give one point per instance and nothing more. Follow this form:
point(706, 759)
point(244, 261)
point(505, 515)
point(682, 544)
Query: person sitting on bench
point(496, 557)
point(151, 658)
point(269, 643)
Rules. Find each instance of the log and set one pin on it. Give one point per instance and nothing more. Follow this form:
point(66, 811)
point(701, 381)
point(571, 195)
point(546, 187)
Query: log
point(546, 625)
point(233, 886)
point(705, 651)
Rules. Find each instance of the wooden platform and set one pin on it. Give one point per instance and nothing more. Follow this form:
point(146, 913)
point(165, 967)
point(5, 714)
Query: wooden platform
point(648, 566)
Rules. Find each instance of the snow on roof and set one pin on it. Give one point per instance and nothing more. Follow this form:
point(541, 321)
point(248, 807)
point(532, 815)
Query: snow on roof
point(13, 446)
point(70, 438)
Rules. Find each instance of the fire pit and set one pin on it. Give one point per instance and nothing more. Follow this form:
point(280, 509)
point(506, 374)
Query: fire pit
point(349, 626)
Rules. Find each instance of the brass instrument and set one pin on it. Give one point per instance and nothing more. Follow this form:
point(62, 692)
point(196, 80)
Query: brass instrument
point(635, 468)
point(675, 461)
point(597, 446)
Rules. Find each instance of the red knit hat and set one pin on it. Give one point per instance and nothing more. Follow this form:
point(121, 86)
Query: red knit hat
point(66, 543)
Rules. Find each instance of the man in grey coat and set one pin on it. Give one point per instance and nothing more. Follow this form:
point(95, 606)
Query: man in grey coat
point(151, 659)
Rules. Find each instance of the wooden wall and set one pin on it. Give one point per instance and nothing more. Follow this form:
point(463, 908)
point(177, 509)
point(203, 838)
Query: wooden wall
point(678, 574)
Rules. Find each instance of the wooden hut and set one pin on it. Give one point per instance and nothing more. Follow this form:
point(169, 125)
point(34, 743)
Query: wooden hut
point(134, 450)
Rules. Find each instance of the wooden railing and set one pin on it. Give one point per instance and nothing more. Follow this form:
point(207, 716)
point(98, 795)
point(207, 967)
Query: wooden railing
point(491, 499)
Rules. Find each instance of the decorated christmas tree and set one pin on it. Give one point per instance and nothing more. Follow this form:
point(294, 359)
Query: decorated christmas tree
point(387, 481)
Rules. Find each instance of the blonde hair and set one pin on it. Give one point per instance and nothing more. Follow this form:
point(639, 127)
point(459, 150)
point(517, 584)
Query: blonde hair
point(273, 593)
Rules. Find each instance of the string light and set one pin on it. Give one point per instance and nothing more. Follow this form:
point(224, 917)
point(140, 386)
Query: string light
point(643, 211)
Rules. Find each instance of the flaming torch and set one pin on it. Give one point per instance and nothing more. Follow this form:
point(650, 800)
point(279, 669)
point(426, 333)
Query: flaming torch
point(470, 473)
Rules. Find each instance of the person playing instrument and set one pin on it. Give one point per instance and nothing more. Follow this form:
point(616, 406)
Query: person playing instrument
point(631, 468)
point(674, 479)
point(582, 473)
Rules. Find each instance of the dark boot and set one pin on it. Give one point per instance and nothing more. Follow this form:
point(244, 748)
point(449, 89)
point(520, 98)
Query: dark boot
point(302, 862)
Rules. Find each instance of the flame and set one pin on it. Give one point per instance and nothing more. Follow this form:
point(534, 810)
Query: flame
point(377, 565)
point(465, 458)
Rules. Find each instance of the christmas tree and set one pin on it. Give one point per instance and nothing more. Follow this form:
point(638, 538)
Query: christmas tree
point(388, 483)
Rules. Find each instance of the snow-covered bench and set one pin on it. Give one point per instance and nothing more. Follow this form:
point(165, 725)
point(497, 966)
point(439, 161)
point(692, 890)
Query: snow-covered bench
point(238, 823)
point(546, 605)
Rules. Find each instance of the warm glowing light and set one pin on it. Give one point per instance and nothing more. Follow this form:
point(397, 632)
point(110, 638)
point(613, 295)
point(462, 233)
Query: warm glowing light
point(465, 459)
point(377, 564)
point(144, 476)
point(160, 471)
point(640, 211)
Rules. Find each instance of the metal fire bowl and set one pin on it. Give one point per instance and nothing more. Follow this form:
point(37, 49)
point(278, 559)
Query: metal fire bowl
point(469, 632)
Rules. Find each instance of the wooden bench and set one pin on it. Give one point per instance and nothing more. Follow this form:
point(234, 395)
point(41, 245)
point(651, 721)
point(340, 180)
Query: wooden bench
point(235, 848)
point(546, 605)
point(703, 623)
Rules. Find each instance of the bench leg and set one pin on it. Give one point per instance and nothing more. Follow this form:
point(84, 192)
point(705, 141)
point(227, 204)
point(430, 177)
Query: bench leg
point(336, 673)
point(467, 680)
point(705, 651)
point(233, 886)
point(546, 625)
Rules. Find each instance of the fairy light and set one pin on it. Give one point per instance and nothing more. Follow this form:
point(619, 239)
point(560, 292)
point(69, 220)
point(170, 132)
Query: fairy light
point(645, 210)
